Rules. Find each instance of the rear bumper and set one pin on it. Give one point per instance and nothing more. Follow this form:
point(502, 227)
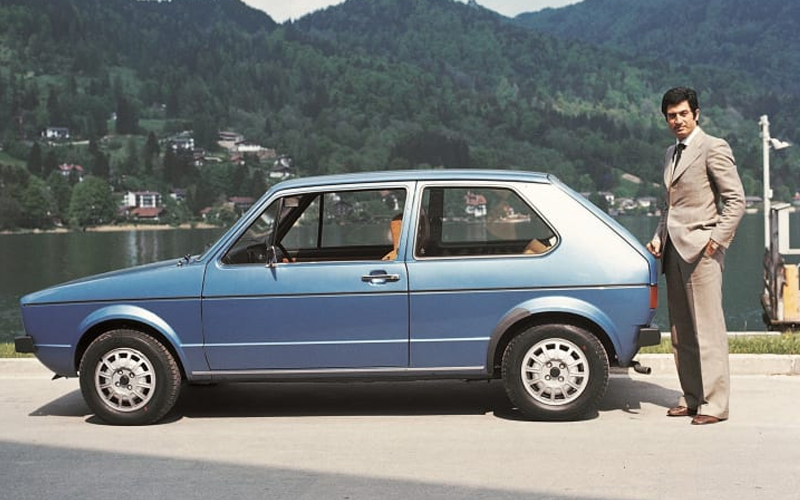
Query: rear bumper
point(24, 344)
point(648, 336)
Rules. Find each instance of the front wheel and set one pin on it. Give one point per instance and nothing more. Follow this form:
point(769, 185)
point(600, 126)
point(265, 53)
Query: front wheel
point(555, 372)
point(129, 378)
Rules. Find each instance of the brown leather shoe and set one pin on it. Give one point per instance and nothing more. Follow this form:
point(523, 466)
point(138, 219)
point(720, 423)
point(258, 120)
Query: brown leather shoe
point(681, 411)
point(705, 420)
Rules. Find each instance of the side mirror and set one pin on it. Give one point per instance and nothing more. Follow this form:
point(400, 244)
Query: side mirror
point(272, 256)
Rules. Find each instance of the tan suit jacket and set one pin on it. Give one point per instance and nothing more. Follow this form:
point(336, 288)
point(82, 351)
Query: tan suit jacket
point(704, 197)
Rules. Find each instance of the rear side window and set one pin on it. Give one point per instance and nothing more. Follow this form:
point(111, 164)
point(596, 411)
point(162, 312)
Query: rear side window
point(473, 221)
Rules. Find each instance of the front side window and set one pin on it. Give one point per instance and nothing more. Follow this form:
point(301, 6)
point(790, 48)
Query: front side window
point(468, 221)
point(324, 226)
point(251, 247)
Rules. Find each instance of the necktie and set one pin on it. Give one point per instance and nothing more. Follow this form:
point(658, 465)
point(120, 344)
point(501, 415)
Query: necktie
point(676, 157)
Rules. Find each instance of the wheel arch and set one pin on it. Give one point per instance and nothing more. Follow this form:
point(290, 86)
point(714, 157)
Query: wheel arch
point(521, 318)
point(129, 318)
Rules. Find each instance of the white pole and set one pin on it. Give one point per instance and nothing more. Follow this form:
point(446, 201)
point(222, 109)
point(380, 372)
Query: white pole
point(764, 122)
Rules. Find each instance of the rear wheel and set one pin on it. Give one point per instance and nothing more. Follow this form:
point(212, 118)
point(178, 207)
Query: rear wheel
point(556, 372)
point(129, 378)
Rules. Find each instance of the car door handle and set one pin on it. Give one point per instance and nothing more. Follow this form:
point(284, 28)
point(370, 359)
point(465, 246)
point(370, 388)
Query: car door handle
point(379, 278)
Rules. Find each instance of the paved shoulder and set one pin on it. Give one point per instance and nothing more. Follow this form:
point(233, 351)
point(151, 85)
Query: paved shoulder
point(741, 364)
point(22, 368)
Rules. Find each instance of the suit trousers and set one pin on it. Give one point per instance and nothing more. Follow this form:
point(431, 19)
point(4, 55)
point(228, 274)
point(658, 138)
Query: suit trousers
point(699, 334)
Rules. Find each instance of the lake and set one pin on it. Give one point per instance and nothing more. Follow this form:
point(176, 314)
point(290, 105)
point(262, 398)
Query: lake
point(30, 262)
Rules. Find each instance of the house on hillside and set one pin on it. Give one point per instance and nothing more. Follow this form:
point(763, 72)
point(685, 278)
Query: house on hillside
point(183, 141)
point(178, 194)
point(648, 203)
point(56, 133)
point(475, 204)
point(228, 140)
point(146, 214)
point(198, 157)
point(67, 169)
point(280, 171)
point(250, 148)
point(282, 168)
point(143, 205)
point(142, 199)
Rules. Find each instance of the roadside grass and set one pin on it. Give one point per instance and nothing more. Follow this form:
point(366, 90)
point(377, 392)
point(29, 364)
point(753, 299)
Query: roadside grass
point(785, 343)
point(7, 351)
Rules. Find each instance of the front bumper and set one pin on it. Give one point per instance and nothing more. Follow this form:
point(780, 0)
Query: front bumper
point(648, 336)
point(24, 344)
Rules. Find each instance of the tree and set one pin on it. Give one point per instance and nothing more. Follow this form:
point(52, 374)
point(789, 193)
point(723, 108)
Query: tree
point(238, 180)
point(172, 166)
point(101, 165)
point(10, 212)
point(50, 163)
point(434, 148)
point(36, 204)
point(92, 203)
point(35, 159)
point(130, 164)
point(258, 183)
point(60, 192)
point(12, 182)
point(205, 131)
point(176, 212)
point(55, 111)
point(127, 117)
point(199, 196)
point(599, 200)
point(150, 152)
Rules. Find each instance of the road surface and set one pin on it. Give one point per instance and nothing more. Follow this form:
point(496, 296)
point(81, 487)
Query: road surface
point(421, 440)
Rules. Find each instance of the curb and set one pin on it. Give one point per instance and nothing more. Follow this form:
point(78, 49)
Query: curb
point(660, 364)
point(740, 364)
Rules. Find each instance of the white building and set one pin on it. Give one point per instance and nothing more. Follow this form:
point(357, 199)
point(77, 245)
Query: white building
point(142, 199)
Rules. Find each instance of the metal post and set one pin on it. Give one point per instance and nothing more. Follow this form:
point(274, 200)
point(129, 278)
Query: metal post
point(764, 122)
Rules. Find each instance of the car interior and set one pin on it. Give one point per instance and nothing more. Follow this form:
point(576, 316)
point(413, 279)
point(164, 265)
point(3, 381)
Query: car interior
point(366, 225)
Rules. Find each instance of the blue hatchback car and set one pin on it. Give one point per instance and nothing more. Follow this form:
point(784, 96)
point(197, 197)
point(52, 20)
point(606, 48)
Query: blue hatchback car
point(462, 274)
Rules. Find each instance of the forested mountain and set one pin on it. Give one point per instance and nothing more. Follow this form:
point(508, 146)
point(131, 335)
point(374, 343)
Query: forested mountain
point(86, 53)
point(756, 38)
point(752, 44)
point(365, 85)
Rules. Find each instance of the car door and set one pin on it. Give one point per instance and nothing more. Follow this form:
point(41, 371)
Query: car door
point(311, 292)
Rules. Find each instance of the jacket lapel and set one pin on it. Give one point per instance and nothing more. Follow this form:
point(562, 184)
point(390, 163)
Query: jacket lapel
point(689, 156)
point(668, 166)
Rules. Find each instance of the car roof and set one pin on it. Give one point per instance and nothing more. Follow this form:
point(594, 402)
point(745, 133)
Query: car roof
point(418, 175)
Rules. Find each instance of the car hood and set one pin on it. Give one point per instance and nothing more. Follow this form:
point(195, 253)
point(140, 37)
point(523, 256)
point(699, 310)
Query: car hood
point(170, 279)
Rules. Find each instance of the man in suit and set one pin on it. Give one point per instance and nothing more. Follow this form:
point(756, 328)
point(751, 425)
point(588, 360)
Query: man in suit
point(704, 204)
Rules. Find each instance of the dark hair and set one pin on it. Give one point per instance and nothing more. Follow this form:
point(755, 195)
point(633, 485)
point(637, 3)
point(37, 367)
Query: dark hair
point(676, 96)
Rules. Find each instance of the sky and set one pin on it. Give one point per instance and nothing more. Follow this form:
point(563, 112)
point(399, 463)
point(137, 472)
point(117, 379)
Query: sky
point(282, 10)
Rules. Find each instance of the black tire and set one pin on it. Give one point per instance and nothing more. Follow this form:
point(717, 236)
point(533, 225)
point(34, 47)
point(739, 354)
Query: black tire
point(129, 378)
point(555, 372)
